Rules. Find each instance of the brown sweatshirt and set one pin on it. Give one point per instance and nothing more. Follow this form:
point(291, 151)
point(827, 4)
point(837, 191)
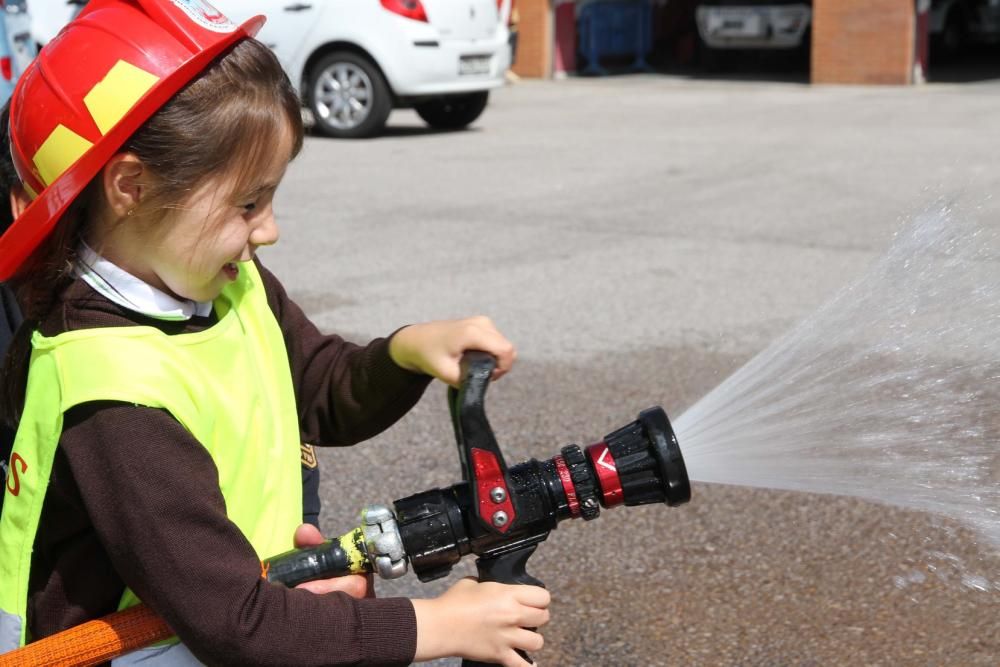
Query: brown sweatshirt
point(134, 501)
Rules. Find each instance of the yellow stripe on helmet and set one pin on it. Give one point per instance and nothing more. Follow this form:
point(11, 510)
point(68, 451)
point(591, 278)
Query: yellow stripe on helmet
point(62, 148)
point(111, 98)
point(108, 102)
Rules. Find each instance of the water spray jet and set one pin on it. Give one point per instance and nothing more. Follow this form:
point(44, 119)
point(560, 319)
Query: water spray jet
point(888, 393)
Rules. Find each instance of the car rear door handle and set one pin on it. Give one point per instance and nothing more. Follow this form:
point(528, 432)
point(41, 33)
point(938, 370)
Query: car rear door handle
point(298, 7)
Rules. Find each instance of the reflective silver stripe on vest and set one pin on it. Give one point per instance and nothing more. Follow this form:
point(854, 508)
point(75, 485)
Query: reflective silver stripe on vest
point(10, 631)
point(172, 655)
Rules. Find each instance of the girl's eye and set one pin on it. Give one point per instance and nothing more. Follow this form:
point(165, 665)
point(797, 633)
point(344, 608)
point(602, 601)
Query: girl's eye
point(249, 207)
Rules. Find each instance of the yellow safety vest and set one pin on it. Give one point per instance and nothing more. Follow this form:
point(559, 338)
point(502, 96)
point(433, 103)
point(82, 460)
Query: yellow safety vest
point(229, 385)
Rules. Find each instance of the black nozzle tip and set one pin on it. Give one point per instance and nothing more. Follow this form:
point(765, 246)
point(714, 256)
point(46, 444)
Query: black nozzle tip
point(668, 455)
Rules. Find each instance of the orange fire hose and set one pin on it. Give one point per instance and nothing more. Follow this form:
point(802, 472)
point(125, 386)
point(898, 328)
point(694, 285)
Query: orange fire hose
point(124, 631)
point(93, 642)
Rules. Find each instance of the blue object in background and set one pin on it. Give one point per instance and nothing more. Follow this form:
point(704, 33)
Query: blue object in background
point(614, 28)
point(17, 48)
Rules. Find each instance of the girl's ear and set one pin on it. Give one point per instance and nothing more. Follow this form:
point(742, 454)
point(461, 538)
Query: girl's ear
point(123, 183)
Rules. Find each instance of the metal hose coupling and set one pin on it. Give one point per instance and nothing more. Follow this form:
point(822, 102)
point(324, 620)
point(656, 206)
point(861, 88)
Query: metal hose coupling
point(373, 546)
point(383, 544)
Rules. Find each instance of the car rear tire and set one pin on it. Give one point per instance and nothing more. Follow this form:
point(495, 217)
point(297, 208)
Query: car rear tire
point(454, 111)
point(348, 96)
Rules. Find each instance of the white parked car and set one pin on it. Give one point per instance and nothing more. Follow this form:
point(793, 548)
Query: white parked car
point(355, 60)
point(49, 16)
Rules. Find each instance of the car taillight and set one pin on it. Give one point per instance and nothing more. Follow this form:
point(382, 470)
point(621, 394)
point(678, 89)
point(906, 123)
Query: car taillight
point(5, 68)
point(411, 9)
point(510, 16)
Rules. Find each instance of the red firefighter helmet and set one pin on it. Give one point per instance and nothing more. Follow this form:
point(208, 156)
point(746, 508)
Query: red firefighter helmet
point(91, 88)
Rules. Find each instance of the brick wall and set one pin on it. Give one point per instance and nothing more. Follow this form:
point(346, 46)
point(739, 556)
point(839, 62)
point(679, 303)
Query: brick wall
point(863, 41)
point(534, 42)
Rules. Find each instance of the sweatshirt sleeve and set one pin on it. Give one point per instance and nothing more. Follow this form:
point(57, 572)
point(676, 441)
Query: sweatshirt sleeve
point(345, 392)
point(152, 492)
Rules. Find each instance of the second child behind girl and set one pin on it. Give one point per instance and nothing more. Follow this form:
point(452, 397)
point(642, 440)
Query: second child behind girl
point(171, 379)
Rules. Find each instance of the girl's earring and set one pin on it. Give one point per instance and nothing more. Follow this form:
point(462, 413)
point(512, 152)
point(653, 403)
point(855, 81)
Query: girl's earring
point(130, 212)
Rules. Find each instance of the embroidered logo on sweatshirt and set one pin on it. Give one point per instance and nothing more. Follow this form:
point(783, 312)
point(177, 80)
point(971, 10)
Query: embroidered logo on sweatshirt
point(309, 456)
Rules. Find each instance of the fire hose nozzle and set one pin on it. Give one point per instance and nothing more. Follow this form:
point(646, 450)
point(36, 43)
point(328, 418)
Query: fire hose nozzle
point(637, 464)
point(641, 463)
point(668, 454)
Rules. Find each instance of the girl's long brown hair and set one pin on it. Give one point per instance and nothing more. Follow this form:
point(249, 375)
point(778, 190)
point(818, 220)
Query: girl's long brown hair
point(227, 121)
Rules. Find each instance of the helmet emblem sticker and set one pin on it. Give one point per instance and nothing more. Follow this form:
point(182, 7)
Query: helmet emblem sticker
point(206, 15)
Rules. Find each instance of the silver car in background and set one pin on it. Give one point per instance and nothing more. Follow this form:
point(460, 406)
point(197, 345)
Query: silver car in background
point(745, 24)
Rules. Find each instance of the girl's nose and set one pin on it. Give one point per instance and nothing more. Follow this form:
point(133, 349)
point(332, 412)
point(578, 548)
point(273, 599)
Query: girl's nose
point(266, 232)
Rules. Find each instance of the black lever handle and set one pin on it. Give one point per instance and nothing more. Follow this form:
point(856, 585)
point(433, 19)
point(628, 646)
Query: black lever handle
point(483, 465)
point(467, 405)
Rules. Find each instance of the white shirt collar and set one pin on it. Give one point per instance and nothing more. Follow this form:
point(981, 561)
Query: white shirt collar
point(126, 290)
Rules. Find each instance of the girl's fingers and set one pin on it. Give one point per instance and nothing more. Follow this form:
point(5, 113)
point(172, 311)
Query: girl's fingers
point(487, 337)
point(533, 618)
point(515, 660)
point(533, 596)
point(436, 348)
point(526, 640)
point(355, 585)
point(505, 356)
point(307, 535)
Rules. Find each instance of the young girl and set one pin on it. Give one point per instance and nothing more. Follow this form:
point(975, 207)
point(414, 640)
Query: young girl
point(171, 379)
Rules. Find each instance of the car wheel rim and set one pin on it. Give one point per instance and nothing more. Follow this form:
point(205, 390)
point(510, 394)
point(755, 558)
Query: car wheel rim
point(343, 95)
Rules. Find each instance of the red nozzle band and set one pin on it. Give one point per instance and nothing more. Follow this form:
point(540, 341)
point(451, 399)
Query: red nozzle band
point(568, 487)
point(607, 474)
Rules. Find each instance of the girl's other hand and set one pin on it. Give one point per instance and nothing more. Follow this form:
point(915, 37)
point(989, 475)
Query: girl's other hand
point(482, 621)
point(436, 348)
point(355, 585)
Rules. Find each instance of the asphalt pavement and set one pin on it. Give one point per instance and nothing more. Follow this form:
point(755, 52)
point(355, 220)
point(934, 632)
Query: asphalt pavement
point(639, 238)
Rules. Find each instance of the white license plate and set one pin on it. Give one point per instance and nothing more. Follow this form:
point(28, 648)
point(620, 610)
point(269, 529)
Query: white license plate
point(736, 23)
point(474, 65)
